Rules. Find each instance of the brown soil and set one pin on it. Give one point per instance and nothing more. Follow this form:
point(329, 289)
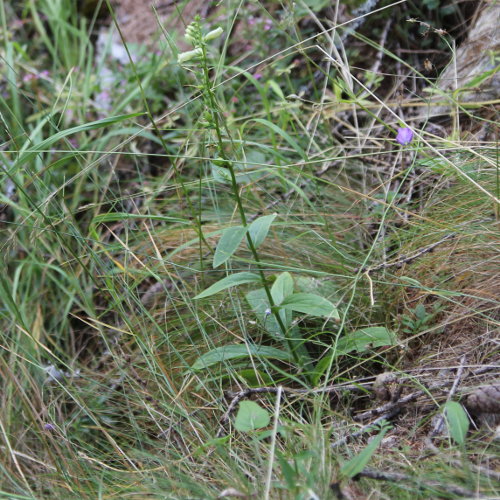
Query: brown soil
point(140, 20)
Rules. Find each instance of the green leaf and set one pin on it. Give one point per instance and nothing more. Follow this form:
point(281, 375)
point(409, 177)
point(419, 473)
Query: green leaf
point(47, 143)
point(283, 134)
point(411, 281)
point(281, 289)
point(228, 244)
point(227, 282)
point(420, 312)
point(119, 216)
point(254, 378)
point(257, 300)
point(457, 421)
point(310, 303)
point(359, 341)
point(276, 89)
point(238, 351)
point(316, 5)
point(477, 80)
point(358, 463)
point(260, 306)
point(221, 174)
point(270, 432)
point(288, 471)
point(251, 417)
point(364, 339)
point(259, 228)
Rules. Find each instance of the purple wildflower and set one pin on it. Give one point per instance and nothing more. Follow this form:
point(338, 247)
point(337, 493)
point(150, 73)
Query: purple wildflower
point(257, 76)
point(405, 135)
point(28, 77)
point(49, 427)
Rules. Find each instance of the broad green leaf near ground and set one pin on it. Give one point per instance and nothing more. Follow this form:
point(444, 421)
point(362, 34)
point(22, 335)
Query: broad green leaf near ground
point(457, 420)
point(238, 351)
point(251, 417)
point(228, 282)
point(310, 303)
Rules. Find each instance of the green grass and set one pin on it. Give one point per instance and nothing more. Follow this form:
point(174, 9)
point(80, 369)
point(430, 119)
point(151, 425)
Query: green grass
point(111, 213)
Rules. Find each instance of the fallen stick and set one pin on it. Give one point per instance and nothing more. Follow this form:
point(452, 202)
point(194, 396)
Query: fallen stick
point(398, 477)
point(439, 423)
point(349, 437)
point(236, 397)
point(406, 258)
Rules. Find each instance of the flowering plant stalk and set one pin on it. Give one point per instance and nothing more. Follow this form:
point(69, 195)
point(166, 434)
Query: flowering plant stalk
point(213, 120)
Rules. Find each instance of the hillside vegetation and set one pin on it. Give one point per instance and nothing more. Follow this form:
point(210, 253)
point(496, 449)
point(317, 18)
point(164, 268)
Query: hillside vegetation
point(249, 249)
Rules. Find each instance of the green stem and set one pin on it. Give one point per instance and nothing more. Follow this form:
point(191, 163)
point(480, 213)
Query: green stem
point(149, 114)
point(229, 165)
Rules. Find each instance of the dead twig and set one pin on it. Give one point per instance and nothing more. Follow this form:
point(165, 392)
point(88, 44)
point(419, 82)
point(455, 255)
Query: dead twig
point(439, 423)
point(398, 477)
point(385, 411)
point(407, 258)
point(413, 396)
point(380, 54)
point(398, 403)
point(236, 397)
point(386, 416)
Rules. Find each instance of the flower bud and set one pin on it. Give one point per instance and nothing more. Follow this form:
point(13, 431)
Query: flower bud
point(211, 35)
point(193, 33)
point(191, 54)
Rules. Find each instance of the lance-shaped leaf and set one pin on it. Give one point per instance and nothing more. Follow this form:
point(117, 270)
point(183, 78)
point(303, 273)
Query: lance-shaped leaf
point(238, 351)
point(228, 244)
point(358, 463)
point(228, 282)
point(310, 303)
point(259, 228)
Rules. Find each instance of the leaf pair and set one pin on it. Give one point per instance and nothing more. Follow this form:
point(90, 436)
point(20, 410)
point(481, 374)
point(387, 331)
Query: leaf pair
point(232, 236)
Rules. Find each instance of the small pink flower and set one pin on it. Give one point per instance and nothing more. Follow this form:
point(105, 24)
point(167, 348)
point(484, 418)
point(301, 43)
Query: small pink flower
point(268, 24)
point(28, 77)
point(405, 135)
point(257, 76)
